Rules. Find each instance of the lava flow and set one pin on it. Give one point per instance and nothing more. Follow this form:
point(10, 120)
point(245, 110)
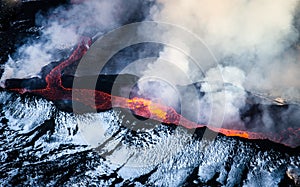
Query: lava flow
point(100, 100)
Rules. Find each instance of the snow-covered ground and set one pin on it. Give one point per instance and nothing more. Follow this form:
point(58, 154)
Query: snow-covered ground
point(40, 145)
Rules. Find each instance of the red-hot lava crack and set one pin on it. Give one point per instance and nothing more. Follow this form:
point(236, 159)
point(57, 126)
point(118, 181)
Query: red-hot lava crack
point(141, 107)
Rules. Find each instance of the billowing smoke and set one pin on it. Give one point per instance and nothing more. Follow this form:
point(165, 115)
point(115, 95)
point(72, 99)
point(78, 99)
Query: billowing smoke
point(257, 37)
point(255, 43)
point(62, 28)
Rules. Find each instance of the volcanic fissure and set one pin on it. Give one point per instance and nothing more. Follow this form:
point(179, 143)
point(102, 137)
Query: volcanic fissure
point(56, 91)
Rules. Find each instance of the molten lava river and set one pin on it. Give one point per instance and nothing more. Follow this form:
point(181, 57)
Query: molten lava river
point(55, 91)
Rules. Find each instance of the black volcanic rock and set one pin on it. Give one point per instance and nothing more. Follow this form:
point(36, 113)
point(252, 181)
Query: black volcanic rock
point(17, 23)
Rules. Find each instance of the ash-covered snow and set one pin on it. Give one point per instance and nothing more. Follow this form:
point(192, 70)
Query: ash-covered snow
point(41, 145)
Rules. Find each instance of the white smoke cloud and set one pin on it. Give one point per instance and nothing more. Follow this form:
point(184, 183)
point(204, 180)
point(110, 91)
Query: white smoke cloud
point(62, 31)
point(37, 55)
point(253, 40)
point(234, 26)
point(255, 33)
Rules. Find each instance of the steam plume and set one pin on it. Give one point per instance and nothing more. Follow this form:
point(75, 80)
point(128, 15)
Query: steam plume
point(255, 43)
point(256, 37)
point(61, 29)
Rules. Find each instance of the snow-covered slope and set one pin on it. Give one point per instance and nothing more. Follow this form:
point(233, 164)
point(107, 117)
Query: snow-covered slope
point(40, 145)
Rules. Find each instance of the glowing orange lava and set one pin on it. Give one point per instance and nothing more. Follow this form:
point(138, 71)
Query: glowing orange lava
point(142, 107)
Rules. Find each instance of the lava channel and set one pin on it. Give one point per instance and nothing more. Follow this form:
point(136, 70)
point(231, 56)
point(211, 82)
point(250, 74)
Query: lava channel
point(101, 101)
